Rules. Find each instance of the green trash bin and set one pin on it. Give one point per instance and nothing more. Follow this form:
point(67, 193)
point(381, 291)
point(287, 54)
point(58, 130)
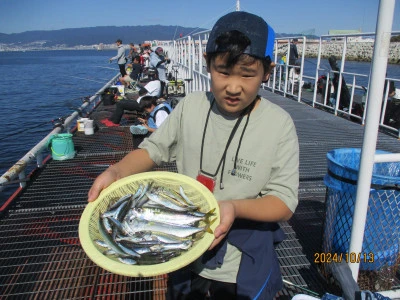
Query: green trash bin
point(61, 146)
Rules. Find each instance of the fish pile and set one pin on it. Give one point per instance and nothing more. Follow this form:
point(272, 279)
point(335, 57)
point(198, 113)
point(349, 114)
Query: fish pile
point(151, 226)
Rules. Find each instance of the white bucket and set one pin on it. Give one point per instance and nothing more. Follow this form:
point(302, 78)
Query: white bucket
point(89, 130)
point(81, 124)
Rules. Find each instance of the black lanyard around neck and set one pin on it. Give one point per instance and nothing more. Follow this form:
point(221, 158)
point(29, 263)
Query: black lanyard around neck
point(234, 129)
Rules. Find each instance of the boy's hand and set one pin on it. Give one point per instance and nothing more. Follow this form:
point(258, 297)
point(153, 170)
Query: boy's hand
point(101, 182)
point(227, 213)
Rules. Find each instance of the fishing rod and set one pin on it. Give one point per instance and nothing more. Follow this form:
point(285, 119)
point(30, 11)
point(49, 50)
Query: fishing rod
point(30, 128)
point(84, 78)
point(106, 68)
point(300, 287)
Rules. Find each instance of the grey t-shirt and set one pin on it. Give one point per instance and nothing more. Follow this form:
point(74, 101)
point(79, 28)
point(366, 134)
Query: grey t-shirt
point(267, 162)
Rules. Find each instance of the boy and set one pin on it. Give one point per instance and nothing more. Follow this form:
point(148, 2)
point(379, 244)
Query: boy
point(244, 149)
point(157, 115)
point(134, 76)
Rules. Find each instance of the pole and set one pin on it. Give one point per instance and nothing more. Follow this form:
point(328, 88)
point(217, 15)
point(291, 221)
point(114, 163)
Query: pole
point(378, 73)
point(237, 5)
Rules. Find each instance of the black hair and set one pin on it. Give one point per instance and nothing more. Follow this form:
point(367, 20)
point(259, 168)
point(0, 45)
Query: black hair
point(148, 101)
point(137, 57)
point(232, 45)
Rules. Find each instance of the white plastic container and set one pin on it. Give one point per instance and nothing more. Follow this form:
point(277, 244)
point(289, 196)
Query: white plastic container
point(89, 129)
point(81, 124)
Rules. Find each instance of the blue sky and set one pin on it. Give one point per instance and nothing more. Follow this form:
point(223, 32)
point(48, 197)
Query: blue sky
point(285, 16)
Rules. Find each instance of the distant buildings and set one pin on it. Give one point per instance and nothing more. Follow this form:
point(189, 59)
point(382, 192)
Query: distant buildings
point(337, 35)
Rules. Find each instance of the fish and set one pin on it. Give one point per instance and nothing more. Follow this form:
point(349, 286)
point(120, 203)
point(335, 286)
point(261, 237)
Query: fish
point(120, 200)
point(164, 201)
point(167, 216)
point(127, 260)
point(108, 240)
point(152, 225)
point(186, 198)
point(177, 230)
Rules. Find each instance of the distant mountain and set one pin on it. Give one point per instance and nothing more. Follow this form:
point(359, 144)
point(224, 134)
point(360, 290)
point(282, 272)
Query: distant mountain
point(72, 37)
point(96, 35)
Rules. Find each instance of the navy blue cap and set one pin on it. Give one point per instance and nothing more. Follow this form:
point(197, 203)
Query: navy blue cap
point(260, 34)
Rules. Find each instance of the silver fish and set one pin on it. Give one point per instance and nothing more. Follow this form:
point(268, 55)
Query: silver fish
point(152, 225)
point(127, 260)
point(120, 200)
point(165, 202)
point(179, 231)
point(186, 198)
point(178, 246)
point(107, 239)
point(165, 216)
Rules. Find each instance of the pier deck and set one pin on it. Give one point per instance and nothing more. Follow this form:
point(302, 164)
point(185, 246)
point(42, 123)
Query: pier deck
point(41, 257)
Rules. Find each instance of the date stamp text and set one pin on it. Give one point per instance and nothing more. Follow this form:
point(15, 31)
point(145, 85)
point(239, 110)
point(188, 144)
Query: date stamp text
point(352, 257)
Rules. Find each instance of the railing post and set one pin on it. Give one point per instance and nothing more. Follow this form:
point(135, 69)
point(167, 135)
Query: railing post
point(378, 71)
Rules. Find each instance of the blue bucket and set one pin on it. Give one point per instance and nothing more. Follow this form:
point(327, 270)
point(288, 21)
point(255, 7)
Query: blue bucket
point(61, 146)
point(381, 237)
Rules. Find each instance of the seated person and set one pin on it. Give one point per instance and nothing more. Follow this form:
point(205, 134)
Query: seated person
point(133, 77)
point(392, 113)
point(157, 115)
point(152, 88)
point(294, 77)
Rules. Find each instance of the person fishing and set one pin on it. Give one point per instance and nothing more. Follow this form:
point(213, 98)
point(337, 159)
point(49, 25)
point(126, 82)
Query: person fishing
point(120, 57)
point(294, 54)
point(344, 91)
point(159, 61)
point(158, 113)
point(244, 149)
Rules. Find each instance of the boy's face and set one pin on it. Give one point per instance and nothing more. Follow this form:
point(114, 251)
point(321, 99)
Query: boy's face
point(235, 88)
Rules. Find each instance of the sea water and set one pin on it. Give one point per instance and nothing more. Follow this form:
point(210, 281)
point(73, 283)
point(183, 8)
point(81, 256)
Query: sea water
point(37, 87)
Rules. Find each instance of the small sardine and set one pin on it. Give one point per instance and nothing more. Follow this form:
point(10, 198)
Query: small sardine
point(151, 226)
point(179, 231)
point(186, 198)
point(107, 239)
point(166, 216)
point(165, 202)
point(127, 260)
point(120, 200)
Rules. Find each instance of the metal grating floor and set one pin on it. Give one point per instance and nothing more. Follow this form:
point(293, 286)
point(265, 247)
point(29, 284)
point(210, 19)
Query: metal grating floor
point(40, 254)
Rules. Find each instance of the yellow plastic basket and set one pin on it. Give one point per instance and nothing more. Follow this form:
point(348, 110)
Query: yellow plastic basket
point(88, 225)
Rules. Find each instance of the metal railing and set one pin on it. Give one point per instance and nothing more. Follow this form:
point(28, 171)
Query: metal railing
point(282, 80)
point(35, 155)
point(187, 55)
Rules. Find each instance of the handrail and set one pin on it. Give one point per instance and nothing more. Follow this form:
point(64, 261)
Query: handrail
point(18, 169)
point(188, 57)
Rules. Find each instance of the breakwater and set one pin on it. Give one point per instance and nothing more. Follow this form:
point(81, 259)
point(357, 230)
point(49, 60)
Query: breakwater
point(355, 51)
